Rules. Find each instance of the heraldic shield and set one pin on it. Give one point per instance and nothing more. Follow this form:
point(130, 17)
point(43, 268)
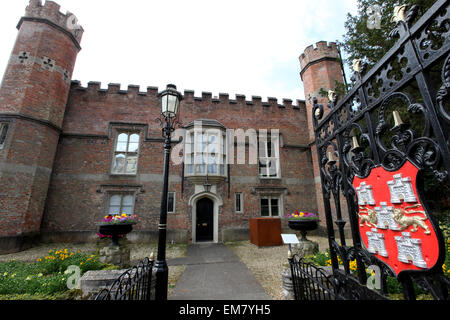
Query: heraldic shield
point(393, 224)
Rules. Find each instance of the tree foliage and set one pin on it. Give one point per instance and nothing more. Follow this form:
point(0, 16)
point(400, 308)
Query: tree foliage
point(363, 41)
point(371, 44)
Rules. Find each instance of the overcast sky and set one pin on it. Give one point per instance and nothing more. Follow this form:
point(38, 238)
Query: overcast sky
point(236, 47)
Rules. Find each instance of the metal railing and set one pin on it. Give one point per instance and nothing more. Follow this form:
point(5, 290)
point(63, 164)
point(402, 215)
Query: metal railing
point(310, 282)
point(134, 284)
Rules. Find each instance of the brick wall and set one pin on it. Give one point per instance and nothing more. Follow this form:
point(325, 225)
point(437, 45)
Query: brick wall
point(82, 171)
point(55, 167)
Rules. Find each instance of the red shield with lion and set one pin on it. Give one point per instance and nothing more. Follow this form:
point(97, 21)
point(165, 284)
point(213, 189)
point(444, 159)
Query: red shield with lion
point(393, 223)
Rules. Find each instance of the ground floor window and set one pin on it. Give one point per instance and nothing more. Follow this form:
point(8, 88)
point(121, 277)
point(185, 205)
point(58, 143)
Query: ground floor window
point(270, 206)
point(238, 202)
point(171, 202)
point(121, 203)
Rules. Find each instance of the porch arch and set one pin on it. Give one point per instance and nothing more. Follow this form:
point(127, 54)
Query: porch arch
point(217, 201)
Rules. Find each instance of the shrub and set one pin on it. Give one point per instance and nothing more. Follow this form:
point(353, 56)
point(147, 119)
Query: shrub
point(60, 260)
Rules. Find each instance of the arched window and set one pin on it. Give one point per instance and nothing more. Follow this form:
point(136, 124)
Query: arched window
point(126, 153)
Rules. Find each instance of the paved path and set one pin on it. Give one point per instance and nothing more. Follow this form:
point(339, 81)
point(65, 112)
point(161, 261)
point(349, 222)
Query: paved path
point(214, 272)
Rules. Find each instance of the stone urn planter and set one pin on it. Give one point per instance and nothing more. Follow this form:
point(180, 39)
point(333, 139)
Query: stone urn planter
point(304, 225)
point(114, 253)
point(115, 230)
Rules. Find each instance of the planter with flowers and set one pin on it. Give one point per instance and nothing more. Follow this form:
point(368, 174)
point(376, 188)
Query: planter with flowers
point(116, 227)
point(304, 222)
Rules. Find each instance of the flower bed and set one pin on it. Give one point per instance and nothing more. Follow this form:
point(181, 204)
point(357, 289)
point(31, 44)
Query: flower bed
point(49, 275)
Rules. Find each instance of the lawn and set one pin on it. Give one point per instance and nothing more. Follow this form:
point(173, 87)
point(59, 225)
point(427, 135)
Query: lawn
point(50, 276)
point(50, 272)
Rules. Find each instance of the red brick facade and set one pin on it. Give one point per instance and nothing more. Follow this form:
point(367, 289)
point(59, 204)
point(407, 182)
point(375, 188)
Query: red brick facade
point(33, 99)
point(56, 175)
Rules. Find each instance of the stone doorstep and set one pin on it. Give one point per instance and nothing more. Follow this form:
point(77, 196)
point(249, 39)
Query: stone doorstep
point(94, 281)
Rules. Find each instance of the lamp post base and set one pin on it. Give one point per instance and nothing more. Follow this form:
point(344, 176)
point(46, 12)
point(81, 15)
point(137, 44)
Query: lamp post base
point(162, 278)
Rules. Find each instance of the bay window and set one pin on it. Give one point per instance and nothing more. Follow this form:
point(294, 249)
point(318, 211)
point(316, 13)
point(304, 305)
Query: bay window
point(205, 153)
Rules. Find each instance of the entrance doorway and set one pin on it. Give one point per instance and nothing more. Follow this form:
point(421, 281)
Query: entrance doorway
point(205, 220)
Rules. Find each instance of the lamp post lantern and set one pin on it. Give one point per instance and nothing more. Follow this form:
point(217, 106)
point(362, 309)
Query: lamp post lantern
point(170, 103)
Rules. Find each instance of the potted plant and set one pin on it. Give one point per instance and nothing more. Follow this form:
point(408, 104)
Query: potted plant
point(115, 227)
point(303, 222)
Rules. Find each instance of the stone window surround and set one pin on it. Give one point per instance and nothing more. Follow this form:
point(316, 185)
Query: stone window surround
point(270, 197)
point(111, 189)
point(121, 207)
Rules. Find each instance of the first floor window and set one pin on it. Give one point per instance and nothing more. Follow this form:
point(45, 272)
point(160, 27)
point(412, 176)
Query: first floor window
point(121, 203)
point(205, 152)
point(270, 206)
point(171, 202)
point(268, 155)
point(126, 153)
point(3, 131)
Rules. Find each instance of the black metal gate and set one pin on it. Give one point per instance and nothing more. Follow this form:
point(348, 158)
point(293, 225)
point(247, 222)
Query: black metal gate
point(398, 112)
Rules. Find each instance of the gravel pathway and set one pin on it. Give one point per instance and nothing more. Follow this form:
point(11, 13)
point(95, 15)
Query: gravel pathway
point(266, 263)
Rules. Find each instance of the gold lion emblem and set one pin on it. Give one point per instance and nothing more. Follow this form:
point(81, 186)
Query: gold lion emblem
point(370, 219)
point(404, 221)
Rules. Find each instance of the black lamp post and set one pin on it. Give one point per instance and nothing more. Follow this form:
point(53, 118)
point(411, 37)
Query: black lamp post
point(170, 103)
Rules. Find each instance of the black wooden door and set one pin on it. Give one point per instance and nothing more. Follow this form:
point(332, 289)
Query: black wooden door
point(205, 220)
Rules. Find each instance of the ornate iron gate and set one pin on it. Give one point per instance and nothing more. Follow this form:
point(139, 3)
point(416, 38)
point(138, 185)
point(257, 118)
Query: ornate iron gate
point(376, 147)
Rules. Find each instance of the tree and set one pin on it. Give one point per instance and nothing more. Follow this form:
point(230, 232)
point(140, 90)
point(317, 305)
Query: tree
point(370, 42)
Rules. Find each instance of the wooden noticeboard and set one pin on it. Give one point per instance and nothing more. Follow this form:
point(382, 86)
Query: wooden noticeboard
point(265, 232)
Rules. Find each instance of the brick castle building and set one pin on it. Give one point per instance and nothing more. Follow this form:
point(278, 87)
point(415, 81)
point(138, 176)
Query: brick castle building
point(69, 155)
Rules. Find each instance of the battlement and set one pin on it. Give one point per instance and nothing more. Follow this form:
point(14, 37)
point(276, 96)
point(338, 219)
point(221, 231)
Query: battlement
point(322, 50)
point(50, 12)
point(189, 95)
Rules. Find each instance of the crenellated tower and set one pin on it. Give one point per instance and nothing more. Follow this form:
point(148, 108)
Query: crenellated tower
point(33, 98)
point(320, 69)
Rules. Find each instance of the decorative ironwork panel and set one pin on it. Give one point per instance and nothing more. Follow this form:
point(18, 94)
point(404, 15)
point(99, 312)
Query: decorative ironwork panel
point(310, 282)
point(374, 146)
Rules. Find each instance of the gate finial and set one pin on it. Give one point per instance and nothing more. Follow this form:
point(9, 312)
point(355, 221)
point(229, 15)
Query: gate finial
point(356, 65)
point(399, 13)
